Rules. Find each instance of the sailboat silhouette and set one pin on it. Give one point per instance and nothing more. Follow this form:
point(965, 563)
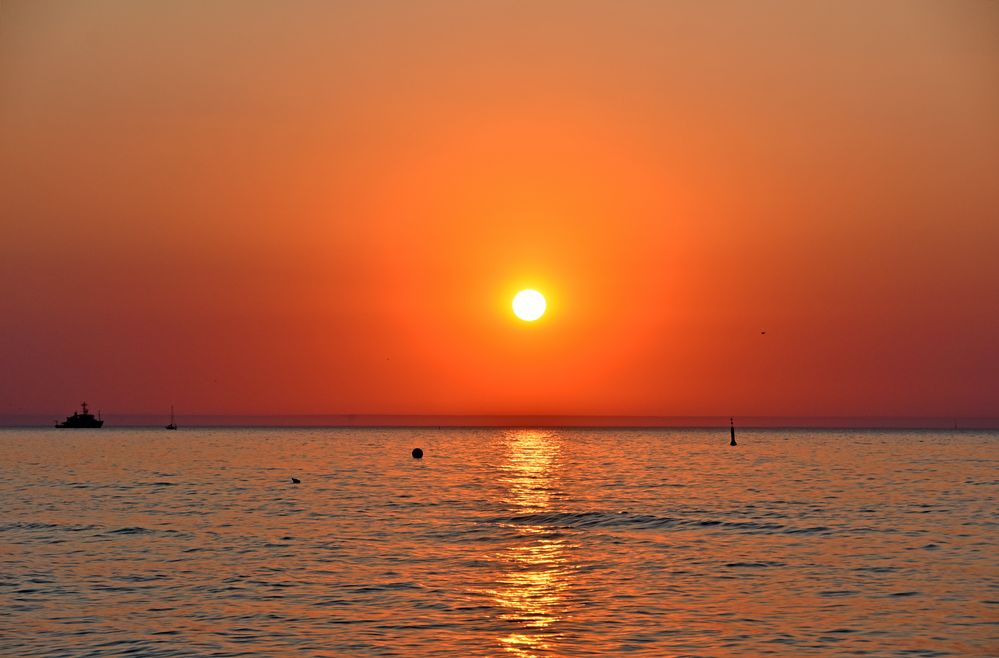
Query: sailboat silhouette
point(172, 425)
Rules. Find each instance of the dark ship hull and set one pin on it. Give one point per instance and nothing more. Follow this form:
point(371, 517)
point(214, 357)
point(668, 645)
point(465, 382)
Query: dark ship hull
point(83, 420)
point(81, 423)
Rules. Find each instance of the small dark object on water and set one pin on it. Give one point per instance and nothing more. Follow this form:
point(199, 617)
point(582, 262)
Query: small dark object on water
point(731, 422)
point(417, 453)
point(296, 481)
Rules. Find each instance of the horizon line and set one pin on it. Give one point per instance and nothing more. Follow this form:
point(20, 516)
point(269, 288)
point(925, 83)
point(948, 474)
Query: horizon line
point(577, 421)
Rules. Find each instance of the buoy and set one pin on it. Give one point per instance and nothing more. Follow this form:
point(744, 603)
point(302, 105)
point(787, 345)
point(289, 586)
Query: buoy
point(417, 453)
point(731, 422)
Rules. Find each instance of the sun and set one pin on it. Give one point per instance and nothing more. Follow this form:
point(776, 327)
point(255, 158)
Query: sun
point(529, 305)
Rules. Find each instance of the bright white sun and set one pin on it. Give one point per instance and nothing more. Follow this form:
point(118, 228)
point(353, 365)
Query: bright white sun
point(529, 305)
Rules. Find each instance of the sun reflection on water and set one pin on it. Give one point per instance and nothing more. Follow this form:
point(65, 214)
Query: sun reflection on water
point(534, 571)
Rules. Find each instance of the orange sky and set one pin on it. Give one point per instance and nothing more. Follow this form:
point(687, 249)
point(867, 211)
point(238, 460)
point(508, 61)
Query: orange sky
point(306, 207)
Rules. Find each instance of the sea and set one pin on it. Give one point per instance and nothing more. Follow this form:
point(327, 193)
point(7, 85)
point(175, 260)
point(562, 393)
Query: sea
point(498, 542)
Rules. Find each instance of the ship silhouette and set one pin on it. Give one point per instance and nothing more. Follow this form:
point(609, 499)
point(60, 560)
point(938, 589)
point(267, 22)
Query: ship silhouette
point(82, 420)
point(173, 423)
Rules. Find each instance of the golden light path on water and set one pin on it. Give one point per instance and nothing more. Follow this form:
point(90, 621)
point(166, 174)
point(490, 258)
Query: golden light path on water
point(535, 571)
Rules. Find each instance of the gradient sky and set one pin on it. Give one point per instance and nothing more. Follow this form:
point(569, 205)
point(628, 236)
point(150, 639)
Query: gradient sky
point(326, 207)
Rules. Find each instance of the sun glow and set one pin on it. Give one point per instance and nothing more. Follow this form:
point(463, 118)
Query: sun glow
point(529, 305)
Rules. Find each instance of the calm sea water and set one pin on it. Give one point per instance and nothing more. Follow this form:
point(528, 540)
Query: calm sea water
point(499, 542)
